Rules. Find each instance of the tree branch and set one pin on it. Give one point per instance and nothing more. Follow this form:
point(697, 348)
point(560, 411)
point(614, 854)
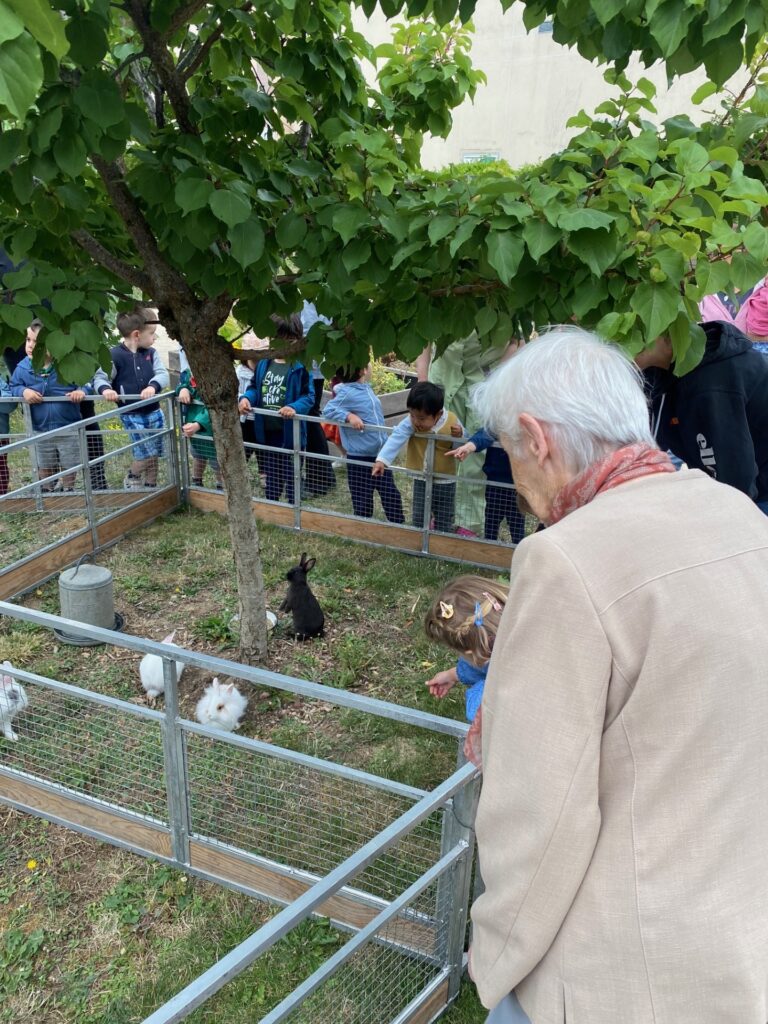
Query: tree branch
point(197, 53)
point(180, 15)
point(162, 62)
point(114, 264)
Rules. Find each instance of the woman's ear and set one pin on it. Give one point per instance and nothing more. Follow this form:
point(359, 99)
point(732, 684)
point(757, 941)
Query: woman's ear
point(534, 437)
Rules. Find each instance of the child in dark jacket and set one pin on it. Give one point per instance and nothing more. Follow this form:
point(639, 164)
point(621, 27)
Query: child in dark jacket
point(196, 427)
point(62, 451)
point(284, 388)
point(500, 495)
point(358, 409)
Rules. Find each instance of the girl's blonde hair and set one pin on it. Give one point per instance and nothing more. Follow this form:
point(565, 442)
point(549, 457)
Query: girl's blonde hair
point(465, 615)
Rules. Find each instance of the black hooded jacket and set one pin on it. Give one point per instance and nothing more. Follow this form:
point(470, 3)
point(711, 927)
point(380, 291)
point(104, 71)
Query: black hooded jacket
point(715, 418)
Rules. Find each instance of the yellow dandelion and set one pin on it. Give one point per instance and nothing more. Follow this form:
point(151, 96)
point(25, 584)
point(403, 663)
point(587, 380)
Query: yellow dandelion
point(31, 865)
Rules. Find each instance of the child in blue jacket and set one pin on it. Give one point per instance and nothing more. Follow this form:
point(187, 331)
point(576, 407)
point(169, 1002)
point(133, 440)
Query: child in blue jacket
point(62, 451)
point(357, 409)
point(284, 388)
point(500, 494)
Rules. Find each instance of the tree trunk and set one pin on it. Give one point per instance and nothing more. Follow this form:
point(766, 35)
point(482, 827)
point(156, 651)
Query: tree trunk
point(215, 373)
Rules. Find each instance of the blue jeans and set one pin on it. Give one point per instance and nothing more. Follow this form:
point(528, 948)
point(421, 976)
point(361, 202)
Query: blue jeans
point(443, 504)
point(763, 506)
point(362, 486)
point(508, 1011)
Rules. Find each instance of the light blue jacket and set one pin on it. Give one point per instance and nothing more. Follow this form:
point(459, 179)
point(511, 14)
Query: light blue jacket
point(358, 398)
point(402, 434)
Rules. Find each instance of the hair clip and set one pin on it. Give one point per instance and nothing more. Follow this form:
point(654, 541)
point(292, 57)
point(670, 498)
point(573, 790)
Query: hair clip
point(478, 614)
point(492, 600)
point(446, 610)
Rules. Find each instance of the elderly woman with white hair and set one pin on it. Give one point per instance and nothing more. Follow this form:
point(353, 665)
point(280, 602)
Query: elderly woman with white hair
point(623, 820)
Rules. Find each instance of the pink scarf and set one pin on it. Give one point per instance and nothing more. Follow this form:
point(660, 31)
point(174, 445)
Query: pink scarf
point(756, 308)
point(629, 463)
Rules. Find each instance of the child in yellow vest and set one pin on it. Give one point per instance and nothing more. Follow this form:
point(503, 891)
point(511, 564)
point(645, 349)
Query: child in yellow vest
point(426, 415)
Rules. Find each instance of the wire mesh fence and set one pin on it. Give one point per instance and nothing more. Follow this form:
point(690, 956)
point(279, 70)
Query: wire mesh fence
point(61, 482)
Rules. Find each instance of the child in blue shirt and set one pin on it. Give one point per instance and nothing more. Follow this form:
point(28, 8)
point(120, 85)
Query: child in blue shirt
point(465, 617)
point(500, 495)
point(357, 409)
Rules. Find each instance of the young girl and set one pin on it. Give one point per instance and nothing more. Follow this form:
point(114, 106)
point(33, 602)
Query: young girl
point(465, 617)
point(196, 427)
point(358, 410)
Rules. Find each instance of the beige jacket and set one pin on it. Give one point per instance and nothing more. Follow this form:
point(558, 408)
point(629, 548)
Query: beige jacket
point(623, 822)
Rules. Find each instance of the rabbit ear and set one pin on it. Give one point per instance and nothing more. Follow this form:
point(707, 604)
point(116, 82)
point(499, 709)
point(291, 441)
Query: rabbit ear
point(229, 688)
point(310, 564)
point(303, 559)
point(169, 639)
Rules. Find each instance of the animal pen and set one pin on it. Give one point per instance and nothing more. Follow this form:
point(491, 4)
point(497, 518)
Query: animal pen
point(389, 864)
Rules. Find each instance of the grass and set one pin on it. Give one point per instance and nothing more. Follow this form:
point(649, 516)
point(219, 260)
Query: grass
point(93, 934)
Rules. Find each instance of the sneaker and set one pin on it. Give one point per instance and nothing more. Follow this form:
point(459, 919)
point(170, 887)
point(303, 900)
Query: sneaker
point(462, 531)
point(132, 483)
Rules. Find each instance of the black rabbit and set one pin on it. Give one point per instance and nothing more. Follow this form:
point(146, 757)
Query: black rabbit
point(308, 618)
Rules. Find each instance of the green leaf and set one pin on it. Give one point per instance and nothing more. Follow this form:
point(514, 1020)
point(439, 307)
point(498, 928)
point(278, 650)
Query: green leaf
point(193, 193)
point(69, 153)
point(17, 317)
point(229, 206)
point(247, 242)
point(45, 24)
point(657, 305)
point(356, 254)
point(505, 251)
point(291, 230)
point(540, 236)
point(87, 39)
point(440, 226)
point(10, 25)
point(669, 26)
point(756, 241)
point(76, 368)
point(66, 302)
point(688, 344)
point(59, 344)
point(463, 233)
point(485, 319)
point(347, 220)
point(573, 220)
point(703, 92)
point(12, 145)
point(98, 98)
point(597, 250)
point(724, 59)
point(21, 74)
point(383, 181)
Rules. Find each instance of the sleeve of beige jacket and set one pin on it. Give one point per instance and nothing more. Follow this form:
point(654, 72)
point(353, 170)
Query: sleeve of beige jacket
point(538, 816)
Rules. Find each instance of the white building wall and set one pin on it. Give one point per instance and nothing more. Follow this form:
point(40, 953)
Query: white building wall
point(534, 86)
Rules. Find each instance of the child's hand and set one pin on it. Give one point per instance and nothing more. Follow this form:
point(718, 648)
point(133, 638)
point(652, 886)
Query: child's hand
point(244, 405)
point(33, 397)
point(355, 422)
point(189, 429)
point(109, 395)
point(440, 684)
point(379, 468)
point(473, 741)
point(148, 393)
point(457, 430)
point(462, 452)
point(287, 411)
point(76, 396)
point(185, 396)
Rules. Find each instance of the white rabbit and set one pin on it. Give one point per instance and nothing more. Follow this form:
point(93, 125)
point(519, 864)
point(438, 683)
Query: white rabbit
point(151, 670)
point(221, 706)
point(13, 699)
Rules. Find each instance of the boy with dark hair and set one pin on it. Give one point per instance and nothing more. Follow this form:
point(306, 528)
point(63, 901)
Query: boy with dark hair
point(283, 388)
point(426, 415)
point(137, 370)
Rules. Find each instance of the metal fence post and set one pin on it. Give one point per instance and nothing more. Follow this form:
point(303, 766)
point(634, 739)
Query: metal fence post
point(454, 888)
point(175, 464)
point(183, 451)
point(175, 767)
point(29, 430)
point(429, 471)
point(90, 509)
point(297, 472)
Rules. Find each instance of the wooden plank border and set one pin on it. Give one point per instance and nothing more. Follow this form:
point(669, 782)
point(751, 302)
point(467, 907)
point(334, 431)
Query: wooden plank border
point(143, 835)
point(431, 1007)
point(41, 567)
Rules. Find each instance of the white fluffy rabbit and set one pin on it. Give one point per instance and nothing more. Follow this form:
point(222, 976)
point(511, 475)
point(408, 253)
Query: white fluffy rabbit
point(13, 699)
point(151, 670)
point(221, 706)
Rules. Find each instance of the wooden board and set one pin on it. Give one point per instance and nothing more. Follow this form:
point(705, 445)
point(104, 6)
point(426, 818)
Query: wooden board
point(286, 888)
point(434, 1005)
point(132, 518)
point(206, 501)
point(469, 550)
point(23, 577)
point(142, 834)
point(68, 502)
point(366, 530)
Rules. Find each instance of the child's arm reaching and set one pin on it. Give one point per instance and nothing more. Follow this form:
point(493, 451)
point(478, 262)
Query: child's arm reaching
point(440, 684)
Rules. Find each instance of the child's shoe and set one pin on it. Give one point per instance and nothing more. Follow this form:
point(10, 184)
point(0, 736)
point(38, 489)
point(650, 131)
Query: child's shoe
point(462, 531)
point(131, 482)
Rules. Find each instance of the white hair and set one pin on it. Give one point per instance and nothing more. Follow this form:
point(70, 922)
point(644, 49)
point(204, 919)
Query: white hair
point(586, 390)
